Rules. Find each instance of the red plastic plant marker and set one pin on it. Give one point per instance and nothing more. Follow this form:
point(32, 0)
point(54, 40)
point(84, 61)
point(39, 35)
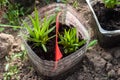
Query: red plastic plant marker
point(58, 54)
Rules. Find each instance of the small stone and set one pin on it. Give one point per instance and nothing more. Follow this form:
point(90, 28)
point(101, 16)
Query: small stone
point(118, 72)
point(37, 2)
point(111, 73)
point(6, 38)
point(96, 59)
point(96, 78)
point(85, 68)
point(114, 62)
point(108, 66)
point(15, 45)
point(106, 56)
point(3, 51)
point(117, 54)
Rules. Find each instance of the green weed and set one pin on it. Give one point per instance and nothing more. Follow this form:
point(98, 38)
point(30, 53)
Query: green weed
point(75, 4)
point(13, 13)
point(12, 69)
point(3, 3)
point(111, 3)
point(92, 43)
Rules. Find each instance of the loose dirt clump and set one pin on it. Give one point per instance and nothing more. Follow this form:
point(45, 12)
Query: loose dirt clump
point(98, 63)
point(6, 42)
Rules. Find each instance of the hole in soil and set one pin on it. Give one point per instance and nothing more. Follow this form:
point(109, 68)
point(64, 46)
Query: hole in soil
point(109, 18)
point(50, 54)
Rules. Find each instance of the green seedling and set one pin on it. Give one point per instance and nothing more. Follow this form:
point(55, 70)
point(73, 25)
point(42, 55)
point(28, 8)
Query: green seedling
point(12, 15)
point(12, 69)
point(70, 41)
point(75, 4)
point(40, 30)
point(111, 3)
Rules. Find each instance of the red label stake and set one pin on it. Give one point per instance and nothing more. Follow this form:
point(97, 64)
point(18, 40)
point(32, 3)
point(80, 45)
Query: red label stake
point(58, 54)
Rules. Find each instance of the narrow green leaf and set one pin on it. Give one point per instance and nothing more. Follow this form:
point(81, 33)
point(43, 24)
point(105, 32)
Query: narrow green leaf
point(33, 21)
point(44, 48)
point(7, 67)
point(48, 31)
point(51, 37)
point(37, 18)
point(35, 40)
point(82, 42)
point(92, 43)
point(5, 25)
point(29, 29)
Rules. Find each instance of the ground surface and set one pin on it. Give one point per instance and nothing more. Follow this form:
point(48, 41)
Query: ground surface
point(98, 63)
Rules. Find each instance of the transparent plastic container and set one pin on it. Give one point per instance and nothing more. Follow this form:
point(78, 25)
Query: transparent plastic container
point(106, 38)
point(69, 17)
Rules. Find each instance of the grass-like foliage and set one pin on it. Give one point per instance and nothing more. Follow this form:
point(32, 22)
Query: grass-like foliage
point(3, 3)
point(40, 30)
point(92, 43)
point(75, 4)
point(111, 3)
point(12, 68)
point(12, 71)
point(70, 41)
point(13, 13)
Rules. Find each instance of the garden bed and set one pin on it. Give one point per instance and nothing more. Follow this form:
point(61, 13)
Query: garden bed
point(98, 63)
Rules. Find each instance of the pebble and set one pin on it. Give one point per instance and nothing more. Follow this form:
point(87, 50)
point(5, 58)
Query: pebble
point(106, 56)
point(3, 51)
point(118, 72)
point(111, 73)
point(96, 78)
point(109, 66)
point(96, 59)
point(117, 53)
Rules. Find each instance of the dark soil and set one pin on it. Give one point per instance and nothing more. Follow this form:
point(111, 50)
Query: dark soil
point(27, 6)
point(109, 18)
point(50, 45)
point(98, 63)
point(2, 66)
